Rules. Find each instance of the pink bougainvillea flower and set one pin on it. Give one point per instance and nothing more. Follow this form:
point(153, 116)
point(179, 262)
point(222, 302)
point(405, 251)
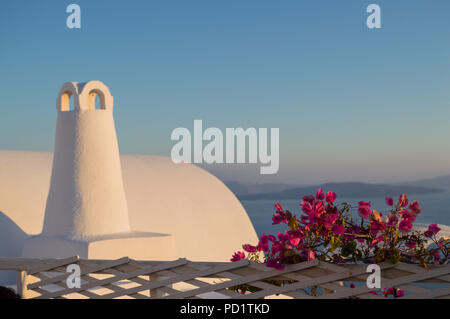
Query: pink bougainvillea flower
point(376, 216)
point(294, 241)
point(411, 244)
point(249, 248)
point(238, 256)
point(433, 229)
point(364, 209)
point(364, 203)
point(283, 237)
point(437, 255)
point(320, 195)
point(331, 197)
point(278, 207)
point(277, 247)
point(330, 220)
point(403, 200)
point(279, 217)
point(319, 209)
point(338, 229)
point(373, 243)
point(376, 227)
point(399, 293)
point(263, 244)
point(373, 292)
point(310, 199)
point(389, 201)
point(364, 212)
point(295, 237)
point(377, 240)
point(332, 209)
point(396, 292)
point(407, 215)
point(274, 263)
point(352, 285)
point(392, 220)
point(405, 225)
point(415, 208)
point(310, 254)
point(306, 207)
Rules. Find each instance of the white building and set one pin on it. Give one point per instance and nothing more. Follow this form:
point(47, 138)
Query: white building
point(95, 203)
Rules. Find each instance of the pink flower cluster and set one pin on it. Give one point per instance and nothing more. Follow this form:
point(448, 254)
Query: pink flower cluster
point(395, 292)
point(391, 291)
point(328, 232)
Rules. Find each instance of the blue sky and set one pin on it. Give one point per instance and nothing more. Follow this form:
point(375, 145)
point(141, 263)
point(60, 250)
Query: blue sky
point(351, 103)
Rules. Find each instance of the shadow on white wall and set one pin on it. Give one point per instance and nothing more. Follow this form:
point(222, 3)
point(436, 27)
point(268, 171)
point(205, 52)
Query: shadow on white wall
point(12, 238)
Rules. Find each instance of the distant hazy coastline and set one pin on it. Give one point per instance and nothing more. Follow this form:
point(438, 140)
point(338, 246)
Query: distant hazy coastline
point(278, 191)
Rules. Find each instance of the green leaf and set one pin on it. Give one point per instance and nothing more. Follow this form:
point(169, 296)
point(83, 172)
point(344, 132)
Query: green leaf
point(293, 224)
point(395, 257)
point(335, 242)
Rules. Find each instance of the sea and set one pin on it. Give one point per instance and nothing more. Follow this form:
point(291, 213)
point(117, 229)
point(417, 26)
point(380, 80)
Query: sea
point(435, 210)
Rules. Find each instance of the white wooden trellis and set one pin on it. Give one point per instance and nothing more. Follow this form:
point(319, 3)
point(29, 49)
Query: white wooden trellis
point(181, 278)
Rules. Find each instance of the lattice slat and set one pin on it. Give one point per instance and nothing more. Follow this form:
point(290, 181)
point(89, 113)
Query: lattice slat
point(127, 278)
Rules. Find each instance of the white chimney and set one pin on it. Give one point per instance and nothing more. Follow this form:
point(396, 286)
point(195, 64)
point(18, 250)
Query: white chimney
point(86, 212)
point(86, 196)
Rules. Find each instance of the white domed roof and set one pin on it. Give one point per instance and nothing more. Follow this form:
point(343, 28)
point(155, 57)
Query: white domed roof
point(204, 216)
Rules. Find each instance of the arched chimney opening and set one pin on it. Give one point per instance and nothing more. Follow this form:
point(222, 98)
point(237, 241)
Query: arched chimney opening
point(67, 101)
point(96, 100)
